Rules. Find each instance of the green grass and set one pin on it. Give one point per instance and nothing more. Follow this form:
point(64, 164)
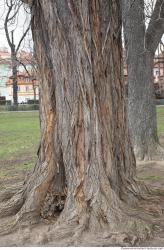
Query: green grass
point(19, 134)
point(160, 120)
point(19, 139)
point(152, 178)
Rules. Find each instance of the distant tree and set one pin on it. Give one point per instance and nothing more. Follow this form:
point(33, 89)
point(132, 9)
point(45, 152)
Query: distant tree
point(30, 66)
point(141, 44)
point(13, 7)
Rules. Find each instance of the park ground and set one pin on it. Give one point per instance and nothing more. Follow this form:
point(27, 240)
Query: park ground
point(19, 141)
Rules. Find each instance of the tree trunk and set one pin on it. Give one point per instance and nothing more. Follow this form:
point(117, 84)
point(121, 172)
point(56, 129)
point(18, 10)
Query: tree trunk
point(14, 78)
point(34, 90)
point(141, 96)
point(142, 108)
point(86, 165)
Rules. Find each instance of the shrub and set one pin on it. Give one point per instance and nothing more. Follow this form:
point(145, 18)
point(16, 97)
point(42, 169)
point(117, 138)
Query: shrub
point(159, 101)
point(22, 107)
point(33, 102)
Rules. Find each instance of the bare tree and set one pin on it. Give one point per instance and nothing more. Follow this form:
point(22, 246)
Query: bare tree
point(30, 66)
point(141, 44)
point(13, 7)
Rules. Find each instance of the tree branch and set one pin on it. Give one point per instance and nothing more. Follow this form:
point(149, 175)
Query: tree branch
point(24, 67)
point(23, 36)
point(6, 24)
point(155, 29)
point(15, 13)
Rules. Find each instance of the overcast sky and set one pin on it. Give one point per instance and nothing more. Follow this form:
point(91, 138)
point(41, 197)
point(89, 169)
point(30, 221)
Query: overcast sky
point(20, 25)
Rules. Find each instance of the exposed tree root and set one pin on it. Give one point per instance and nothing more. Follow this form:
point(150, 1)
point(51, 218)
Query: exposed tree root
point(11, 206)
point(8, 225)
point(128, 228)
point(124, 223)
point(122, 227)
point(9, 192)
point(132, 231)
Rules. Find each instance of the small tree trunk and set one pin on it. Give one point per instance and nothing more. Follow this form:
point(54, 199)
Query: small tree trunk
point(34, 93)
point(14, 78)
point(141, 97)
point(34, 90)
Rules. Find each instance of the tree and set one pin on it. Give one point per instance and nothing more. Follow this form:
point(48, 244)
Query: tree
point(141, 44)
point(30, 66)
point(85, 173)
point(13, 7)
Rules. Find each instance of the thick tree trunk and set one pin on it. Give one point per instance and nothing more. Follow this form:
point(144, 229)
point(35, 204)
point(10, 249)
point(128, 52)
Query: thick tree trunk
point(141, 97)
point(84, 133)
point(86, 165)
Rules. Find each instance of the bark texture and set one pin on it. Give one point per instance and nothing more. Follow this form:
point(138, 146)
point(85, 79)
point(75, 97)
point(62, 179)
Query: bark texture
point(141, 45)
point(86, 165)
point(79, 55)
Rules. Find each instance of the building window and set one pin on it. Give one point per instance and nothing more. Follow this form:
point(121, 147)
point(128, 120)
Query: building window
point(27, 79)
point(27, 88)
point(18, 88)
point(157, 72)
point(26, 99)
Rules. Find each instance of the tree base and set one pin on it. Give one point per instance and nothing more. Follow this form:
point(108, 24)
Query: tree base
point(71, 234)
point(153, 151)
point(105, 220)
point(127, 226)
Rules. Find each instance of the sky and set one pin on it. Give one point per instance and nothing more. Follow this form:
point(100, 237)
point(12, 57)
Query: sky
point(19, 27)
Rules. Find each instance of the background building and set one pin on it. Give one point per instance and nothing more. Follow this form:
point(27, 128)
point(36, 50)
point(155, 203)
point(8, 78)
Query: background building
point(5, 71)
point(28, 88)
point(158, 73)
point(28, 85)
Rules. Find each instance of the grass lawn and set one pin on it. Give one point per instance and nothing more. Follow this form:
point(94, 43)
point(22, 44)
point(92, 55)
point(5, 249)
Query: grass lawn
point(160, 120)
point(19, 139)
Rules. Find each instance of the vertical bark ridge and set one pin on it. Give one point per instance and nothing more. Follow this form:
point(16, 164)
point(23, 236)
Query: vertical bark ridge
point(83, 72)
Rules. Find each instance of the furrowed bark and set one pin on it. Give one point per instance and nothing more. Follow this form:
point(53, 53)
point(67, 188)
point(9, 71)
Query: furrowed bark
point(155, 29)
point(83, 118)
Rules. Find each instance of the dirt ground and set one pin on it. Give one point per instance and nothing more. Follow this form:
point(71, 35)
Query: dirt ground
point(153, 175)
point(10, 174)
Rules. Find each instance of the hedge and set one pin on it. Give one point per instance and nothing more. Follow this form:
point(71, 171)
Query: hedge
point(22, 107)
